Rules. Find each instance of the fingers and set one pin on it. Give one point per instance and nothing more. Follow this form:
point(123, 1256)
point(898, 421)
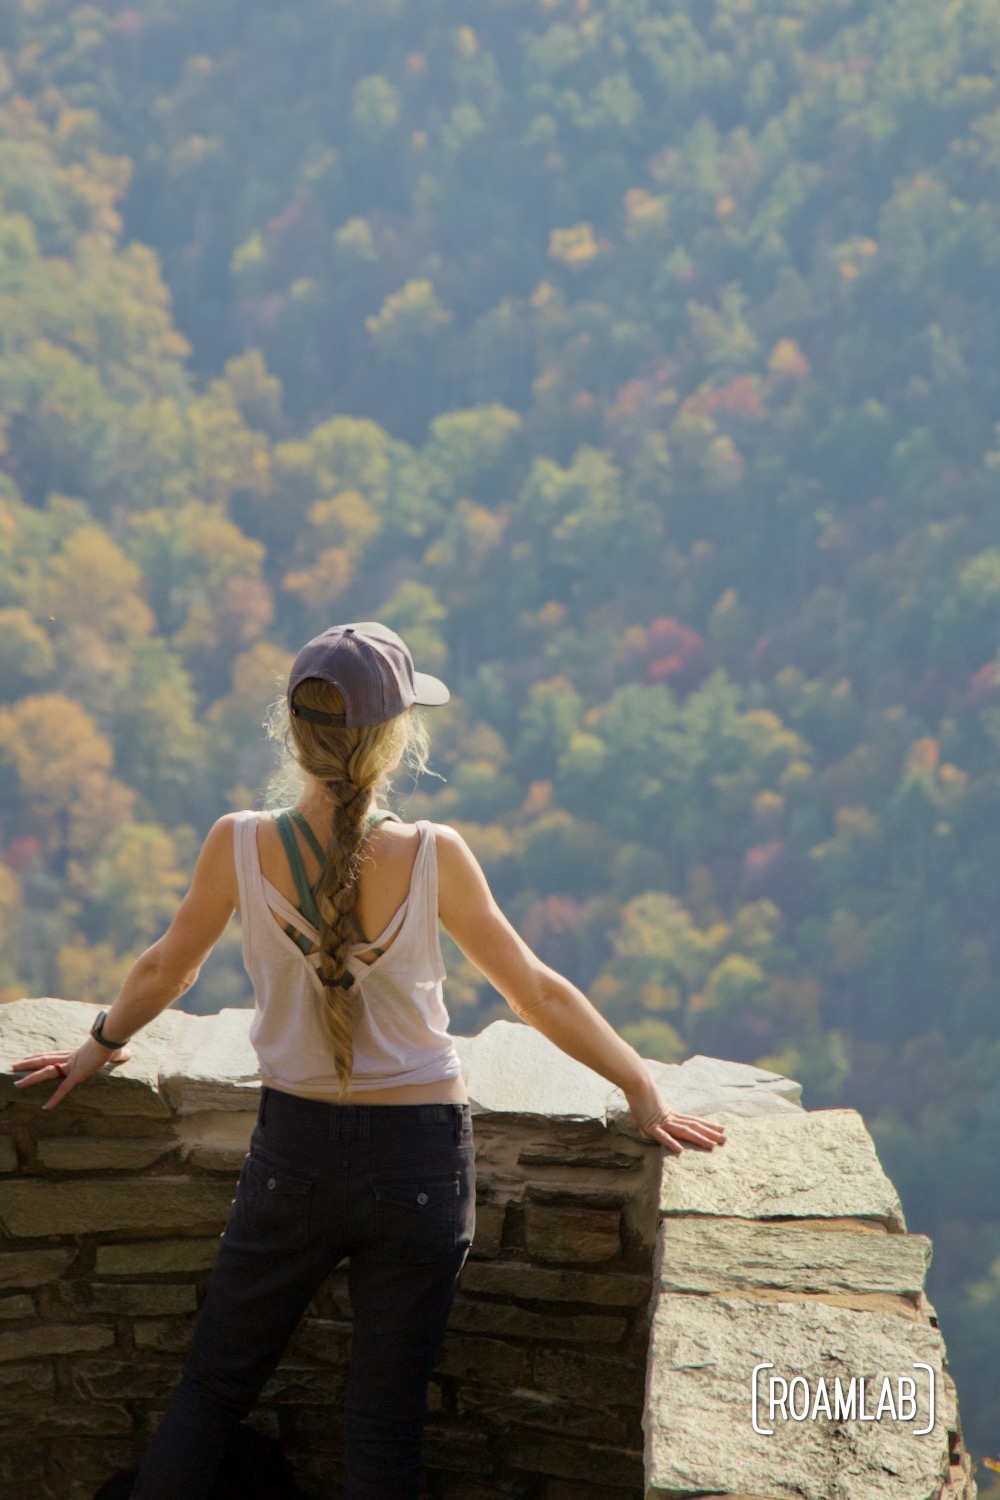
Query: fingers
point(688, 1127)
point(50, 1073)
point(701, 1132)
point(65, 1086)
point(696, 1123)
point(43, 1074)
point(41, 1060)
point(697, 1132)
point(63, 1068)
point(667, 1140)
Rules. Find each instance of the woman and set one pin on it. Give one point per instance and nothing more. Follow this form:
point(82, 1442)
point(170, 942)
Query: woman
point(363, 1145)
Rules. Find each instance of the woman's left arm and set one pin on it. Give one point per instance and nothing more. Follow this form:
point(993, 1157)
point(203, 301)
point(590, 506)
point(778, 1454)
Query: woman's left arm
point(160, 975)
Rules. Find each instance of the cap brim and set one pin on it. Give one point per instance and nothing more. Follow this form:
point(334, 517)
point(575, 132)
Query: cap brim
point(430, 691)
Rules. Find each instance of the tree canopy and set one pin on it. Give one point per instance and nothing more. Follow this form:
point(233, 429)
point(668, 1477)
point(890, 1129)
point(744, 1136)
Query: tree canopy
point(636, 362)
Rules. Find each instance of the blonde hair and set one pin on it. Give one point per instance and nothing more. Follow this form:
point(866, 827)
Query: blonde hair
point(351, 764)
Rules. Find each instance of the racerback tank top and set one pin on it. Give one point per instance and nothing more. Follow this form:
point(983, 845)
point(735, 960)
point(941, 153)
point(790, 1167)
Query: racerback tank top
point(400, 1022)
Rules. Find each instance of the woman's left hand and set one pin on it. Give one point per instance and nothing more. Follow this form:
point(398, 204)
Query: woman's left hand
point(69, 1067)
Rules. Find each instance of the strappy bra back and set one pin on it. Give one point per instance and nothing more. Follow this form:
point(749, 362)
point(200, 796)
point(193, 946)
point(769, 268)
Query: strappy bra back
point(307, 893)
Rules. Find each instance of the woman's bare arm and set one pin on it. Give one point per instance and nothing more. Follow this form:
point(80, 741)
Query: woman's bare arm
point(160, 975)
point(544, 998)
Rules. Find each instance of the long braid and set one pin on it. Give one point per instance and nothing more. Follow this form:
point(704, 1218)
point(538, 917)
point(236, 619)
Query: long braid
point(335, 902)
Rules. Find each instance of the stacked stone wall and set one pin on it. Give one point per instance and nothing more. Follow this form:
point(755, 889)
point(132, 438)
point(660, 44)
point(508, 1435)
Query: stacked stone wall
point(598, 1348)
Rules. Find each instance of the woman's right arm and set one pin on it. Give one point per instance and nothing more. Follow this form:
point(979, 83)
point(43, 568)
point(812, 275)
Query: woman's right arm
point(545, 999)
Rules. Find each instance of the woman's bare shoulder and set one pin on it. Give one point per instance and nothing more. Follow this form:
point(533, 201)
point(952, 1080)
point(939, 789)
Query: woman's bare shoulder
point(456, 862)
point(391, 838)
point(447, 837)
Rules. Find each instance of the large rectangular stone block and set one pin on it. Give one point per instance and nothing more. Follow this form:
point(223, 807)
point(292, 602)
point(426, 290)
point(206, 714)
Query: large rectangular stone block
point(28, 1380)
point(153, 1257)
point(131, 1088)
point(586, 1148)
point(60, 1419)
point(216, 1139)
point(91, 1153)
point(54, 1338)
point(700, 1413)
point(22, 1268)
point(588, 1377)
point(796, 1165)
point(466, 1358)
point(504, 1321)
point(164, 1335)
point(706, 1254)
point(107, 1378)
point(101, 1205)
point(587, 1235)
point(540, 1283)
point(17, 1306)
point(541, 1409)
point(127, 1299)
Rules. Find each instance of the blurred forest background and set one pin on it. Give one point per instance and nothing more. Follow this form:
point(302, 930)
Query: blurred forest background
point(637, 360)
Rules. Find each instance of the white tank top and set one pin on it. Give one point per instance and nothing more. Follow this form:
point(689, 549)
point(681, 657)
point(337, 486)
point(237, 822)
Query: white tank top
point(400, 1020)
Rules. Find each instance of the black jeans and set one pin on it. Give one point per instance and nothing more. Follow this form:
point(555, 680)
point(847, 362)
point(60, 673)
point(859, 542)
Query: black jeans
point(392, 1186)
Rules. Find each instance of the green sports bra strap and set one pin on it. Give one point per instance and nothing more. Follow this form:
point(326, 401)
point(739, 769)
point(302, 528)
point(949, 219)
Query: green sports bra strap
point(311, 838)
point(307, 903)
point(307, 893)
point(373, 819)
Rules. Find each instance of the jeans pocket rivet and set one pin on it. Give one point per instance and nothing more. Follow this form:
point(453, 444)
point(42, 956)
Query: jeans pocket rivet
point(421, 1197)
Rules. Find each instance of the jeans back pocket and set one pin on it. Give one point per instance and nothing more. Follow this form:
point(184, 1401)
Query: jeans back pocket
point(272, 1206)
point(417, 1217)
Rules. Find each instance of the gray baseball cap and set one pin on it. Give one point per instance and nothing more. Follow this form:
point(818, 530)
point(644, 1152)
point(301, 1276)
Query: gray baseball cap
point(372, 667)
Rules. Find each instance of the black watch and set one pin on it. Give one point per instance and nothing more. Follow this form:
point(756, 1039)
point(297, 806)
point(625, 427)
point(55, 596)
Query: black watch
point(97, 1032)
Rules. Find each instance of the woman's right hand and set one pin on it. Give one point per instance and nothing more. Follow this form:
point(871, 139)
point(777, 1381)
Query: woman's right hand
point(656, 1120)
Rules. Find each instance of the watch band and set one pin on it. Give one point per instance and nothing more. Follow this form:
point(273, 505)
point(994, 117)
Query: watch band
point(97, 1032)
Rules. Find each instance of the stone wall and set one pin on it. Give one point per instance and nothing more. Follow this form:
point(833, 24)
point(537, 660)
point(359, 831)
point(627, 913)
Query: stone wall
point(612, 1308)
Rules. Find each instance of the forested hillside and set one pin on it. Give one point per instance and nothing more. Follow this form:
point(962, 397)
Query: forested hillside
point(637, 360)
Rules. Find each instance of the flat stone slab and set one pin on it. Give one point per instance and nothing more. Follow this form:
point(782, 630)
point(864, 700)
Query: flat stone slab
point(510, 1068)
point(187, 1064)
point(701, 1084)
point(91, 1153)
point(712, 1255)
point(699, 1417)
point(30, 1209)
point(212, 1065)
point(22, 1268)
point(802, 1164)
point(51, 1024)
point(181, 1064)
